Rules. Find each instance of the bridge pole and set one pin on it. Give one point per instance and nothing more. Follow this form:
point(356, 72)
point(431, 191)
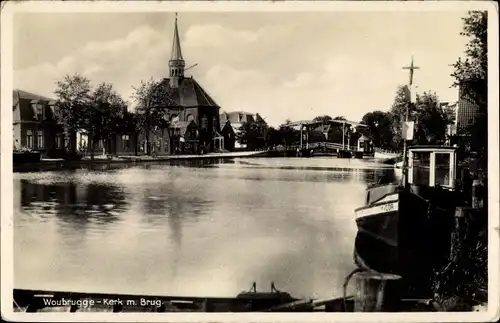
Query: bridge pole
point(343, 134)
point(301, 137)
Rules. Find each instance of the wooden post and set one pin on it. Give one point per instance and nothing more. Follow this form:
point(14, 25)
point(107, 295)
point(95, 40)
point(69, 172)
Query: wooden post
point(459, 234)
point(377, 292)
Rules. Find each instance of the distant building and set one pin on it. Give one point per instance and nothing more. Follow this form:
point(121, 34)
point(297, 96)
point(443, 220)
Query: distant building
point(231, 123)
point(34, 124)
point(467, 112)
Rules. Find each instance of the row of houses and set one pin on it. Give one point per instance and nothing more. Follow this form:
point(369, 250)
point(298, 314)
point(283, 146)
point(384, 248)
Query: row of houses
point(35, 127)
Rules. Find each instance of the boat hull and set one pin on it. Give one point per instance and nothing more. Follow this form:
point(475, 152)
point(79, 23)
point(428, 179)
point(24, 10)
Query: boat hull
point(403, 233)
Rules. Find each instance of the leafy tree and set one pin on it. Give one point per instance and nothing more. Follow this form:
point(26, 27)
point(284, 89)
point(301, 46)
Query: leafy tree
point(398, 114)
point(253, 134)
point(431, 120)
point(288, 135)
point(105, 114)
point(380, 128)
point(97, 112)
point(324, 118)
point(152, 99)
point(471, 76)
point(73, 100)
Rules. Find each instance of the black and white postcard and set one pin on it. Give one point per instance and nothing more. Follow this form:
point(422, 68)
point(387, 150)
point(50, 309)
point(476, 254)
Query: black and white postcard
point(249, 161)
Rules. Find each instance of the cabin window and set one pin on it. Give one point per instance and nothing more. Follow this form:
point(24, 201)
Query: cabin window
point(443, 177)
point(421, 168)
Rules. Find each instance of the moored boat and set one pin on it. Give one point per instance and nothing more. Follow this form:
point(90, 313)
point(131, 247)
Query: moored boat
point(405, 228)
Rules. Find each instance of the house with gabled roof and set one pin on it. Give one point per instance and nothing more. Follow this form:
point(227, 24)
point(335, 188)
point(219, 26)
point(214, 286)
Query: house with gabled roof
point(34, 124)
point(231, 123)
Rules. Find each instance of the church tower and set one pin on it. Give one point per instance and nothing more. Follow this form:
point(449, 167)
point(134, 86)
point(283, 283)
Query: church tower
point(176, 63)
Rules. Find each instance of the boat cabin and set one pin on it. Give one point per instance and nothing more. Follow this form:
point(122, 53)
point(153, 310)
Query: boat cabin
point(432, 166)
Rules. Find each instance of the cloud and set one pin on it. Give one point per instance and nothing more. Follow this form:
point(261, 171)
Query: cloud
point(302, 79)
point(279, 71)
point(141, 54)
point(216, 35)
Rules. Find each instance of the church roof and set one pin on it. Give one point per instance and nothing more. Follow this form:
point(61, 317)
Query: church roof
point(189, 93)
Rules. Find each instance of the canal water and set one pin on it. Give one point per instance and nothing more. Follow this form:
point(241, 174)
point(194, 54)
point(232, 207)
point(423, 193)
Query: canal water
point(191, 230)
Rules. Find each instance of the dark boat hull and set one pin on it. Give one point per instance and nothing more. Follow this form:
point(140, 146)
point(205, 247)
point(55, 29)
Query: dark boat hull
point(405, 233)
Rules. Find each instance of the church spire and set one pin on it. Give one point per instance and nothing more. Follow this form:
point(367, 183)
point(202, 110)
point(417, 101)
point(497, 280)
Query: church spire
point(176, 44)
point(176, 63)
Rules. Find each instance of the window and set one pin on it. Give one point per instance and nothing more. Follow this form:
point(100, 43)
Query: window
point(126, 141)
point(443, 177)
point(204, 122)
point(39, 139)
point(214, 123)
point(57, 111)
point(29, 139)
point(421, 168)
point(59, 141)
point(38, 111)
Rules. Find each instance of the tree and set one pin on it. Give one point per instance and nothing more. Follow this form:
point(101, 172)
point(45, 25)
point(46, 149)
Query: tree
point(431, 120)
point(73, 100)
point(152, 99)
point(104, 114)
point(253, 133)
point(288, 135)
point(324, 118)
point(380, 128)
point(471, 76)
point(398, 114)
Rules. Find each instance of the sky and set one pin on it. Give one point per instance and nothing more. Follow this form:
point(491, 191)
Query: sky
point(282, 65)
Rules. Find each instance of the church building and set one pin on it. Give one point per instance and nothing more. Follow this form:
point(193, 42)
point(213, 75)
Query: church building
point(193, 114)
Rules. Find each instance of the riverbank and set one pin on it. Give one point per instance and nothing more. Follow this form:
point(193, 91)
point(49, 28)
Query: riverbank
point(59, 163)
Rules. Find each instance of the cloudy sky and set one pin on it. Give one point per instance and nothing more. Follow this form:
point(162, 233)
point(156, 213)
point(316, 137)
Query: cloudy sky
point(281, 65)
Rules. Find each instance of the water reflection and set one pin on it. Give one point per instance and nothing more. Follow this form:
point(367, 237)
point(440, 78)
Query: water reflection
point(207, 229)
point(74, 204)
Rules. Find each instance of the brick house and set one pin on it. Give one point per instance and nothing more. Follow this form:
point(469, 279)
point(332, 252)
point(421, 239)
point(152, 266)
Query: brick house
point(34, 124)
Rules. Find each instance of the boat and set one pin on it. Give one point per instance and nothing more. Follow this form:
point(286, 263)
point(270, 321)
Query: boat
point(404, 228)
point(31, 301)
point(35, 301)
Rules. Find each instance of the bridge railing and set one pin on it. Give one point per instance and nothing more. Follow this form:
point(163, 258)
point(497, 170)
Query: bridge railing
point(316, 145)
point(385, 151)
